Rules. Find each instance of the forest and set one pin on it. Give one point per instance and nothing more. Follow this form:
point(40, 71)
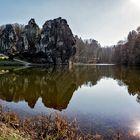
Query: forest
point(125, 52)
point(20, 38)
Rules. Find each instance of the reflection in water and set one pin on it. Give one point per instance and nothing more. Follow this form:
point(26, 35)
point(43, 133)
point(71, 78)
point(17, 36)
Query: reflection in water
point(138, 98)
point(98, 94)
point(131, 78)
point(56, 87)
point(136, 130)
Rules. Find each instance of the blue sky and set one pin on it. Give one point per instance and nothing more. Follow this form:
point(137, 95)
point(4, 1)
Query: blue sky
point(107, 21)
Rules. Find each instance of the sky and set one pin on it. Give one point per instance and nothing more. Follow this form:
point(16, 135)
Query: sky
point(107, 21)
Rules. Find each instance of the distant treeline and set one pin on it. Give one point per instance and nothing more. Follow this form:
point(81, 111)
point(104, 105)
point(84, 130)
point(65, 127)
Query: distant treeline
point(90, 51)
point(126, 52)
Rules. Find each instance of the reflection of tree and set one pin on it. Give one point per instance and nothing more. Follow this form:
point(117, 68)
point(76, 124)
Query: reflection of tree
point(138, 99)
point(130, 77)
point(56, 87)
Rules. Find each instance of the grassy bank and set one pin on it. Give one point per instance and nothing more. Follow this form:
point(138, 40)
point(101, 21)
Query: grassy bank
point(40, 128)
point(10, 63)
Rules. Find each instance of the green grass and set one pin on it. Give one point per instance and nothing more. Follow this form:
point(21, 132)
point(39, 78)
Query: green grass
point(9, 63)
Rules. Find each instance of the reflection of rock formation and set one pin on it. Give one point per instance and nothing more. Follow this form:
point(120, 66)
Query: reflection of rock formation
point(56, 87)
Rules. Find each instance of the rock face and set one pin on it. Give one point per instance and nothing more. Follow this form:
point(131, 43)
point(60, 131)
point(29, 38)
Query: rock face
point(57, 40)
point(32, 34)
point(54, 43)
point(7, 38)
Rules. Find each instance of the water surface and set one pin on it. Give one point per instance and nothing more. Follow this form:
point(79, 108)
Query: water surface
point(103, 99)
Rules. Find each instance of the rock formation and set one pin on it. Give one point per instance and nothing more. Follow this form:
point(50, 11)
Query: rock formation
point(54, 43)
point(7, 38)
point(57, 40)
point(32, 34)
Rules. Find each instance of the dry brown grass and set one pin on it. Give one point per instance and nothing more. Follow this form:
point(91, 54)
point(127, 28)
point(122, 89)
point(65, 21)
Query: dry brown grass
point(8, 133)
point(53, 127)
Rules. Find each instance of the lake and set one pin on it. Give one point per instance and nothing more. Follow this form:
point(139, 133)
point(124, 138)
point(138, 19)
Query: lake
point(103, 99)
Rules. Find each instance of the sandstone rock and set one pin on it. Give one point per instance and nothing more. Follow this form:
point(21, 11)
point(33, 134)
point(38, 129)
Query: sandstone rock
point(57, 40)
point(7, 38)
point(32, 34)
point(53, 44)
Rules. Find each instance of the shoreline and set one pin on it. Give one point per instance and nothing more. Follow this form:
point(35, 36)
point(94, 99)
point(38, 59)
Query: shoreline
point(40, 128)
point(17, 63)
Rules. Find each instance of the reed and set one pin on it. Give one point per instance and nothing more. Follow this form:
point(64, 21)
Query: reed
point(52, 127)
